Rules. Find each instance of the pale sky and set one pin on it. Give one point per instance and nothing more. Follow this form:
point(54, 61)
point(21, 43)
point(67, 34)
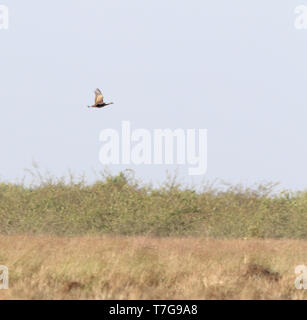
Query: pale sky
point(236, 68)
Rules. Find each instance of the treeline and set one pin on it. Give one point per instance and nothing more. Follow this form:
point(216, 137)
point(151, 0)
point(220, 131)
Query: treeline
point(121, 205)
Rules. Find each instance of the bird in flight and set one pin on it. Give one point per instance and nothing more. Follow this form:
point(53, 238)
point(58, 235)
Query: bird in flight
point(99, 100)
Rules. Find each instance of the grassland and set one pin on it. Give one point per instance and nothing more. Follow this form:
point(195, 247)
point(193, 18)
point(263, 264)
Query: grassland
point(119, 267)
point(120, 239)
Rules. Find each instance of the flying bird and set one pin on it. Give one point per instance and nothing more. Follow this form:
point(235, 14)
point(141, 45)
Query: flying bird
point(99, 100)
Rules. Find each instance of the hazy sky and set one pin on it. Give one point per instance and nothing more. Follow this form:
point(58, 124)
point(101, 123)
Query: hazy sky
point(236, 68)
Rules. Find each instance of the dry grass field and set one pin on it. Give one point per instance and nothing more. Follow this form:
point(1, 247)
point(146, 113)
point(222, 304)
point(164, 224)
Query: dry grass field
point(63, 238)
point(137, 267)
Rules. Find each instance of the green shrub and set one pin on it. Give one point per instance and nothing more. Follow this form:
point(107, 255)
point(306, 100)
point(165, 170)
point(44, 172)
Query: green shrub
point(121, 205)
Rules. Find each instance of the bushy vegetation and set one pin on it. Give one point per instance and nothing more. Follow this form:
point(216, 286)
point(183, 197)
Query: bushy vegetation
point(121, 205)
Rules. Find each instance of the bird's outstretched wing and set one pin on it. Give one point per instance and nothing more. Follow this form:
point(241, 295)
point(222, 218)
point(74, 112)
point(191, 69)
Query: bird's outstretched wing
point(98, 97)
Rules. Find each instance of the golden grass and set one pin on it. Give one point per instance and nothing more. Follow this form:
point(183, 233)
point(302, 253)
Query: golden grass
point(109, 267)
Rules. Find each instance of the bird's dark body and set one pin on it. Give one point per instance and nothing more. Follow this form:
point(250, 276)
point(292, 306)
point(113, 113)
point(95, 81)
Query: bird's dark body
point(100, 105)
